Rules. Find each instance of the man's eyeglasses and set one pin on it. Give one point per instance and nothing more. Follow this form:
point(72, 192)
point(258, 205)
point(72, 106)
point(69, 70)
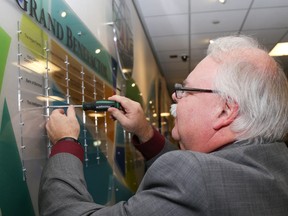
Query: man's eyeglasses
point(180, 90)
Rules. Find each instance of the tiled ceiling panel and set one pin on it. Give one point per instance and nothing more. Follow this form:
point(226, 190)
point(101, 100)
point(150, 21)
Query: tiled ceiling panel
point(225, 21)
point(267, 36)
point(163, 7)
point(270, 4)
point(201, 40)
point(171, 42)
point(170, 25)
point(267, 18)
point(175, 29)
point(198, 6)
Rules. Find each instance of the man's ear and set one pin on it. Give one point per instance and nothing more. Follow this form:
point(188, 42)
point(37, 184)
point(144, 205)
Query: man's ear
point(226, 115)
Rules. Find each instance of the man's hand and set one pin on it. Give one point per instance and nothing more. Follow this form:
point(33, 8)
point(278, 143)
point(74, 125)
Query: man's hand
point(60, 125)
point(132, 118)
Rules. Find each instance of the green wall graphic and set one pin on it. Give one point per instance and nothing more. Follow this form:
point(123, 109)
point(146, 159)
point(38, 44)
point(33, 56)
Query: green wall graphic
point(15, 198)
point(4, 47)
point(31, 44)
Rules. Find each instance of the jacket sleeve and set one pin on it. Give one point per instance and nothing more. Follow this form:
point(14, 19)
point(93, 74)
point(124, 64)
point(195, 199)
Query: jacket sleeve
point(172, 186)
point(154, 148)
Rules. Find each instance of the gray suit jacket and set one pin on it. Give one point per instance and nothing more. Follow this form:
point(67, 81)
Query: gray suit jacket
point(244, 178)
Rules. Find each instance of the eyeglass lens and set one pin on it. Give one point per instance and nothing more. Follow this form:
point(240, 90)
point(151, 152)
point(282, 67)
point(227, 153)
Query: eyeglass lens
point(178, 90)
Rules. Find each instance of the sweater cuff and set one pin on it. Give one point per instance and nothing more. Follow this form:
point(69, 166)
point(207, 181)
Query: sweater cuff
point(68, 146)
point(152, 147)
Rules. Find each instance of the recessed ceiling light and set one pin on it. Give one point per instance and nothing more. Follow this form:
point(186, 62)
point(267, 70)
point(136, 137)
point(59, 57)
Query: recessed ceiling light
point(222, 1)
point(281, 49)
point(97, 143)
point(165, 114)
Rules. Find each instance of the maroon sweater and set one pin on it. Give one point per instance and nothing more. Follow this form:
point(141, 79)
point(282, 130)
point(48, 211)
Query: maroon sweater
point(148, 149)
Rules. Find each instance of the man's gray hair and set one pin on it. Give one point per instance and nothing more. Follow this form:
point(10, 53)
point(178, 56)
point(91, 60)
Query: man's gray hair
point(256, 82)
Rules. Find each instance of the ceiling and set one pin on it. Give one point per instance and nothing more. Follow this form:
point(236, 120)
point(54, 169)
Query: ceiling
point(172, 26)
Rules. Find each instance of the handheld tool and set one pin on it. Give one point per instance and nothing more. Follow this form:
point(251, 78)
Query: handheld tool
point(99, 105)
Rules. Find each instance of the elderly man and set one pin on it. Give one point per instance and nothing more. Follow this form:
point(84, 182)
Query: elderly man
point(230, 121)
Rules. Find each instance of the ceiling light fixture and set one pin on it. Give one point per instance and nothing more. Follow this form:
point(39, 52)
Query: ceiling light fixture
point(222, 1)
point(126, 70)
point(97, 143)
point(165, 114)
point(280, 49)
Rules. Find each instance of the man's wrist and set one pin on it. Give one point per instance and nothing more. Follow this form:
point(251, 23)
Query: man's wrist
point(146, 136)
point(68, 145)
point(68, 139)
point(151, 147)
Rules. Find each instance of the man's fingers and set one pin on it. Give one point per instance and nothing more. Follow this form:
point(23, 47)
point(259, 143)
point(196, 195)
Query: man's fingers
point(117, 114)
point(125, 102)
point(57, 112)
point(71, 111)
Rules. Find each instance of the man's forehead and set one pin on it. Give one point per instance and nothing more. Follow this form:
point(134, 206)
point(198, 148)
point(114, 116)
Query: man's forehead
point(204, 71)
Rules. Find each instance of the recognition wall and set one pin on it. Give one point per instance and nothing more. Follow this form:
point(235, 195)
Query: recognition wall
point(55, 53)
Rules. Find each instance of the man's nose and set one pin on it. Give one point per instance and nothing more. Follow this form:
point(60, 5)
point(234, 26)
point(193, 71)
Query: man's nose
point(174, 98)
